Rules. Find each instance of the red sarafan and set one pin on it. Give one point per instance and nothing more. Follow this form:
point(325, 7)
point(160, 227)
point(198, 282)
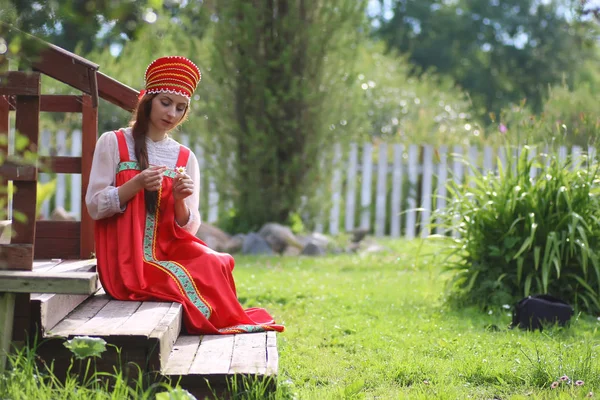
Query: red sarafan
point(146, 256)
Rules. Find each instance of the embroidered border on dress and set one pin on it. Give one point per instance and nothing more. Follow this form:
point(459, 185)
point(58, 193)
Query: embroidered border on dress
point(177, 271)
point(246, 329)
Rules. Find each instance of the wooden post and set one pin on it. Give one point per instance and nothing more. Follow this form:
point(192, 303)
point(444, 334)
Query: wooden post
point(89, 132)
point(4, 127)
point(24, 198)
point(7, 307)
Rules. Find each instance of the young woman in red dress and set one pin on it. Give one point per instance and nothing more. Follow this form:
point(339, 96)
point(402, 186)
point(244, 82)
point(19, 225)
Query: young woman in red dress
point(144, 195)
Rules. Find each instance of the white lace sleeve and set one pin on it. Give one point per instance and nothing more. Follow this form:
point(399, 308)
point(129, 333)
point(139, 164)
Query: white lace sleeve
point(102, 197)
point(193, 201)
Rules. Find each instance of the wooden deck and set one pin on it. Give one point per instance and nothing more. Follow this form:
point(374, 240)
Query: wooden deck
point(147, 333)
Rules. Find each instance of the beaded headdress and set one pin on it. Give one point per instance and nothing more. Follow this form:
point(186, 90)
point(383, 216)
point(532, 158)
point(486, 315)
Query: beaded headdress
point(173, 74)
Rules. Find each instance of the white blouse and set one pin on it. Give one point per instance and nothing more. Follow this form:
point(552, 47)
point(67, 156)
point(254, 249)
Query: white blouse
point(102, 197)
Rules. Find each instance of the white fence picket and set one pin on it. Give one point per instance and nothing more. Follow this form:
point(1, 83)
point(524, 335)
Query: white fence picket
point(61, 179)
point(336, 189)
point(365, 192)
point(426, 190)
point(395, 225)
point(75, 194)
point(351, 187)
point(46, 144)
point(413, 177)
point(441, 192)
point(399, 210)
point(380, 199)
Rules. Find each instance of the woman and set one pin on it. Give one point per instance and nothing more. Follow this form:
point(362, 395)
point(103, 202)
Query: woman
point(144, 195)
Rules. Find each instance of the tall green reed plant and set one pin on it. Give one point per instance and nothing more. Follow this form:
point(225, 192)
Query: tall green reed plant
point(517, 235)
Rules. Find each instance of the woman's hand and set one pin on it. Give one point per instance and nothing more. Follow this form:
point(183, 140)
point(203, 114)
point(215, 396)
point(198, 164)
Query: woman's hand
point(183, 186)
point(151, 178)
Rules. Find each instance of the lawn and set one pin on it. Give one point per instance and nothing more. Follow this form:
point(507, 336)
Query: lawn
point(377, 326)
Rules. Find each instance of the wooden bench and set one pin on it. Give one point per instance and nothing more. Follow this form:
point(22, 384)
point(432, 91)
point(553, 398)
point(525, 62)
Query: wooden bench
point(148, 334)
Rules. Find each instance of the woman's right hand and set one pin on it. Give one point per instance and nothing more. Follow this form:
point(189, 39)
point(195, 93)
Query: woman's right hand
point(151, 178)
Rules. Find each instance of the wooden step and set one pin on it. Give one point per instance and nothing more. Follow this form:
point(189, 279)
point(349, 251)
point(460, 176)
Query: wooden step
point(215, 358)
point(145, 332)
point(48, 309)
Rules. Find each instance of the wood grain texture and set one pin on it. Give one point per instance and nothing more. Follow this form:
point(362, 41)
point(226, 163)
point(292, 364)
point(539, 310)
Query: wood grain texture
point(20, 83)
point(183, 355)
point(144, 320)
point(108, 319)
point(89, 133)
point(48, 282)
point(249, 354)
point(213, 356)
point(79, 316)
point(60, 103)
point(16, 256)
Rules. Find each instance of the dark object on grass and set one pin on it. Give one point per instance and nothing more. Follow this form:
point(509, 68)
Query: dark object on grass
point(533, 312)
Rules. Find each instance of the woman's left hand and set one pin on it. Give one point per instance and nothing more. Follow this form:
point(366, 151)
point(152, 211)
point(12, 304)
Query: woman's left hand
point(183, 187)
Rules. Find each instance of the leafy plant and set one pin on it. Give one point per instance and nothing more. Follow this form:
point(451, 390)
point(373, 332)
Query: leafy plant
point(518, 235)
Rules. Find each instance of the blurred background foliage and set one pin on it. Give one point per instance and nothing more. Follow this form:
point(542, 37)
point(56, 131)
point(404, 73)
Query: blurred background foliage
point(285, 80)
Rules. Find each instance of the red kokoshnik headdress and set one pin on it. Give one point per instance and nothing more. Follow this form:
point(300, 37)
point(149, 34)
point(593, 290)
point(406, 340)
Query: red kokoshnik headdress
point(173, 74)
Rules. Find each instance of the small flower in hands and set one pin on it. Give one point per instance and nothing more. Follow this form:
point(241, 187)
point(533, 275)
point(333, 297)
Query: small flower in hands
point(180, 170)
point(151, 178)
point(183, 186)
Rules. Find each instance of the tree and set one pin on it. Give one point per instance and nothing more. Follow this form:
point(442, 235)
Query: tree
point(88, 25)
point(500, 52)
point(271, 60)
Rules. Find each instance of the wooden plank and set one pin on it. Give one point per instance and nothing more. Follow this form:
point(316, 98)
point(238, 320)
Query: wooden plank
point(144, 319)
point(272, 354)
point(351, 187)
point(16, 256)
point(473, 164)
point(336, 189)
point(48, 282)
point(214, 355)
point(249, 354)
point(427, 189)
point(24, 198)
point(182, 355)
point(442, 190)
point(45, 265)
point(395, 225)
point(381, 193)
point(60, 103)
point(11, 171)
point(7, 306)
point(109, 318)
point(4, 126)
point(167, 331)
point(413, 179)
point(89, 135)
point(117, 93)
point(61, 164)
point(20, 83)
point(79, 316)
point(488, 159)
point(67, 67)
point(57, 239)
point(365, 192)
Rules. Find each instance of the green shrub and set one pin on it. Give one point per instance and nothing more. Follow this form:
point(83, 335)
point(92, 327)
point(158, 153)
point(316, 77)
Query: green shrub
point(519, 236)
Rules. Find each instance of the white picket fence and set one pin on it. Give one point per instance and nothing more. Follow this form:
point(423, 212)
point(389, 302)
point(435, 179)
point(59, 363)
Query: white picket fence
point(395, 195)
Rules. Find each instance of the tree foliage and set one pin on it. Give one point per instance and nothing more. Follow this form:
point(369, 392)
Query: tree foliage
point(499, 51)
point(271, 61)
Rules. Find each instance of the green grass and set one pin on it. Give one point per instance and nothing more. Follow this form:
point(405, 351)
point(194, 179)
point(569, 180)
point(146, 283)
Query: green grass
point(377, 327)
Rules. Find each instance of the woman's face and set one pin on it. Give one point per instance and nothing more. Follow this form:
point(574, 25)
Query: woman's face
point(167, 111)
